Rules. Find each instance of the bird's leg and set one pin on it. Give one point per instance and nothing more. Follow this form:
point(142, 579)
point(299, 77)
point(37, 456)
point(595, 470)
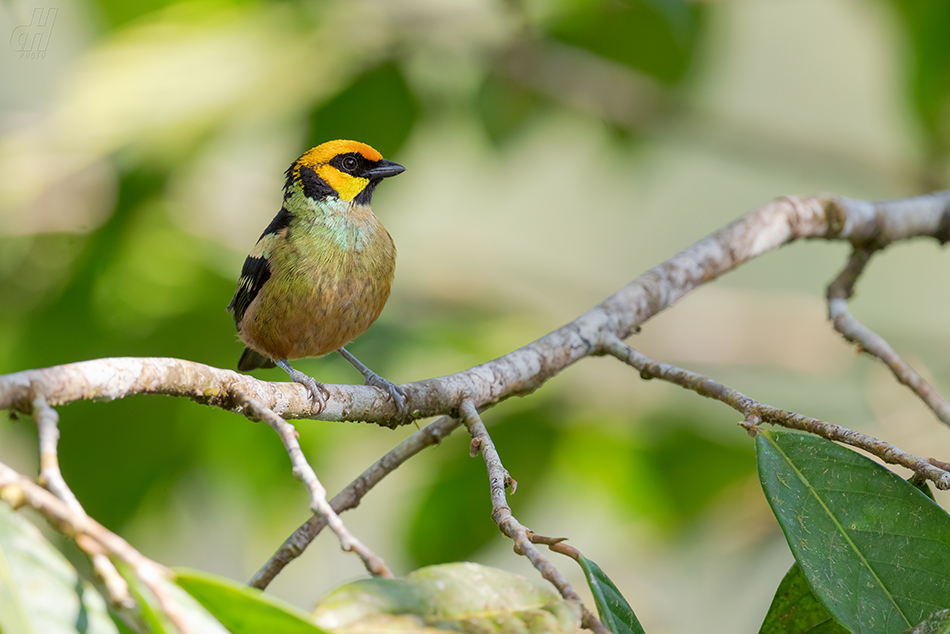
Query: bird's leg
point(317, 390)
point(395, 392)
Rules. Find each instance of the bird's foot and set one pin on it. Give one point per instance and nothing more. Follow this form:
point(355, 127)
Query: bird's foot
point(318, 391)
point(396, 393)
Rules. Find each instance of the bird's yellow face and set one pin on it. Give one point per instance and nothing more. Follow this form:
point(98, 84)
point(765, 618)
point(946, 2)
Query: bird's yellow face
point(349, 170)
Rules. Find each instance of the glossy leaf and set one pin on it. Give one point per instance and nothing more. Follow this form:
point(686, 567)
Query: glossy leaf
point(40, 592)
point(614, 611)
point(795, 610)
point(874, 550)
point(459, 597)
point(241, 609)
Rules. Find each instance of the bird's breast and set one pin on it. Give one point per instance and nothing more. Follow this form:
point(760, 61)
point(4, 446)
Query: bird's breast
point(329, 283)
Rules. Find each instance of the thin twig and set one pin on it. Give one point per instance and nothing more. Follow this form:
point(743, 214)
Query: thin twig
point(47, 424)
point(498, 479)
point(752, 409)
point(350, 497)
point(17, 489)
point(318, 494)
point(839, 292)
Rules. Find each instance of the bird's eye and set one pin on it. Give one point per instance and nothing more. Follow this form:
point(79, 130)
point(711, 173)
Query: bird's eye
point(350, 163)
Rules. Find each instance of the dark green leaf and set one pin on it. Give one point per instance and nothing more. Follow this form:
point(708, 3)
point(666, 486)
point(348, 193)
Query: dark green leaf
point(925, 27)
point(378, 108)
point(244, 610)
point(614, 611)
point(40, 593)
point(656, 37)
point(874, 550)
point(460, 597)
point(675, 448)
point(795, 610)
point(506, 109)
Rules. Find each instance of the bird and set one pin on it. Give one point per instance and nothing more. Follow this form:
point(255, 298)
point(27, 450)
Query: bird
point(322, 270)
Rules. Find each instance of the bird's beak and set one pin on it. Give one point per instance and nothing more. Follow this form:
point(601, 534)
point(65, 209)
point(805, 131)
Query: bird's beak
point(384, 169)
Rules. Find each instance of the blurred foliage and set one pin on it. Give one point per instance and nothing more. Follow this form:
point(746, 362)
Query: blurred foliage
point(505, 108)
point(378, 105)
point(649, 469)
point(925, 22)
point(656, 37)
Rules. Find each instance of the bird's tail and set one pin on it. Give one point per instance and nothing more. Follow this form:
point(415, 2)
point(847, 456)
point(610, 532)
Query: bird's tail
point(251, 360)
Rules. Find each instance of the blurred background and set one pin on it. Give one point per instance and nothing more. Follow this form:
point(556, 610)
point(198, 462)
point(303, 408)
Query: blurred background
point(555, 150)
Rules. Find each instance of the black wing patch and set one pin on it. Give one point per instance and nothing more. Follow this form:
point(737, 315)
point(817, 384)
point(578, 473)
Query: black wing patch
point(255, 273)
point(280, 221)
point(256, 270)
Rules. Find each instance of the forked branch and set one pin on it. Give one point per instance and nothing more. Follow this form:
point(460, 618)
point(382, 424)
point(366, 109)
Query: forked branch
point(499, 481)
point(839, 292)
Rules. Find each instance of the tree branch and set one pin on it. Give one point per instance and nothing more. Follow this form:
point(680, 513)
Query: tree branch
point(522, 371)
point(499, 480)
point(352, 495)
point(839, 292)
point(47, 424)
point(866, 226)
point(318, 494)
point(757, 412)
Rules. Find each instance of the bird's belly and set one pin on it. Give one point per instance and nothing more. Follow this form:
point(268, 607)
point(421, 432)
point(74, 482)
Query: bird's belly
point(313, 315)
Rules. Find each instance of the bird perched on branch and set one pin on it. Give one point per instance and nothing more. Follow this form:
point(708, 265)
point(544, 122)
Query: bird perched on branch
point(321, 272)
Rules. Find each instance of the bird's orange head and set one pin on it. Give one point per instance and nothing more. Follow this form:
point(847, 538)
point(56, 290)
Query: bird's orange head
point(348, 170)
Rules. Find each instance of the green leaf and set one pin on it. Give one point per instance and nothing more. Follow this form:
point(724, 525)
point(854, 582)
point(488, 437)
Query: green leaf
point(656, 37)
point(40, 592)
point(506, 109)
point(874, 550)
point(459, 597)
point(615, 613)
point(241, 609)
point(674, 448)
point(924, 24)
point(193, 614)
point(939, 623)
point(795, 610)
point(146, 605)
point(378, 108)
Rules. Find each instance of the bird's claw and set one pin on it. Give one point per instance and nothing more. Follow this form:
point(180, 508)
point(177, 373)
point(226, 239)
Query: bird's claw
point(318, 392)
point(396, 393)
